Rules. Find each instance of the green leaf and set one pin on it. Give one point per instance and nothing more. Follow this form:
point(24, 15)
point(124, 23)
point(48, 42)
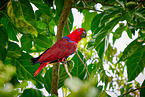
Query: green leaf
point(102, 34)
point(59, 6)
point(121, 3)
point(101, 49)
point(95, 22)
point(128, 17)
point(3, 36)
point(109, 54)
point(27, 10)
point(108, 16)
point(79, 69)
point(41, 25)
point(38, 13)
point(43, 41)
point(3, 53)
point(130, 50)
point(48, 78)
point(22, 15)
point(3, 41)
point(118, 32)
point(45, 18)
point(49, 3)
point(11, 93)
point(88, 17)
point(91, 44)
point(44, 8)
point(32, 93)
point(26, 42)
point(140, 15)
point(14, 51)
point(129, 33)
point(92, 68)
point(25, 71)
point(135, 63)
point(142, 94)
point(10, 28)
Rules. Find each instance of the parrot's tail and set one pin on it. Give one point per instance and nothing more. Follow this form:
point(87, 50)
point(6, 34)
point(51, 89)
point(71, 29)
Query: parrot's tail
point(34, 60)
point(40, 68)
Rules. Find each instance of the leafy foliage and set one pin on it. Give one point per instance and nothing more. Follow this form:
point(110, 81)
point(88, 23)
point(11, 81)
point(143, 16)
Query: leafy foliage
point(25, 33)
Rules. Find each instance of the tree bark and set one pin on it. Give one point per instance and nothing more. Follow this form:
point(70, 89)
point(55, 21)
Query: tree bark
point(60, 27)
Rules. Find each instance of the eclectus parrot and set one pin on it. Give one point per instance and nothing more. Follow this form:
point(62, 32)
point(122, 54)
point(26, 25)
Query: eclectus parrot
point(60, 50)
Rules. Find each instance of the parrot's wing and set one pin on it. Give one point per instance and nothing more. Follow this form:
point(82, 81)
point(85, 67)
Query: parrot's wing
point(60, 49)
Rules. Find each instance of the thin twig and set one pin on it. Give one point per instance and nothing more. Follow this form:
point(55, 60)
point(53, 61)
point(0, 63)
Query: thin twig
point(133, 90)
point(138, 5)
point(86, 3)
point(89, 9)
point(95, 2)
point(3, 6)
point(83, 63)
point(65, 65)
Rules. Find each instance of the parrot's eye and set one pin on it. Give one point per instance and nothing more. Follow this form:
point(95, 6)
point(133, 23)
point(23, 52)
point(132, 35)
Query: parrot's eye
point(79, 30)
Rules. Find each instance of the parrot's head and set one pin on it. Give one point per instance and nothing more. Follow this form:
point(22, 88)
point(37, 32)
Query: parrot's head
point(78, 34)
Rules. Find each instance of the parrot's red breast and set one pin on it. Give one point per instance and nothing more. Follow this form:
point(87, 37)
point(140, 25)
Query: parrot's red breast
point(60, 50)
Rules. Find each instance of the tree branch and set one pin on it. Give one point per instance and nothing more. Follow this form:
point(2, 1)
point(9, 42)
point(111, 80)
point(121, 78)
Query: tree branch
point(65, 65)
point(3, 6)
point(83, 63)
point(86, 3)
point(133, 90)
point(61, 24)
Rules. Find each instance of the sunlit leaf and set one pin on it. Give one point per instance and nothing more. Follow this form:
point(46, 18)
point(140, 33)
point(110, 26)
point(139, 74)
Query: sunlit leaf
point(22, 15)
point(14, 51)
point(88, 19)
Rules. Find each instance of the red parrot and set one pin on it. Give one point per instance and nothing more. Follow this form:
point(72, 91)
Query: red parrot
point(60, 50)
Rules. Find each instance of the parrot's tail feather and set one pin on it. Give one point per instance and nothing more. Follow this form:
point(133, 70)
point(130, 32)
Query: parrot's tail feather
point(40, 68)
point(35, 60)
